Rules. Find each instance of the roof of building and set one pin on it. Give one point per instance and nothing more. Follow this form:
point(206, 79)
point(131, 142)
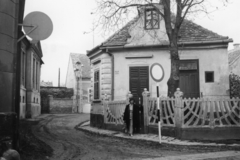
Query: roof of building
point(84, 60)
point(189, 32)
point(46, 84)
point(233, 55)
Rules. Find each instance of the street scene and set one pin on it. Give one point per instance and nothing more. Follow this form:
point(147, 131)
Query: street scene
point(119, 79)
point(70, 142)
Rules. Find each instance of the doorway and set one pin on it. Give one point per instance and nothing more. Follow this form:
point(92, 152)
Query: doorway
point(139, 79)
point(189, 78)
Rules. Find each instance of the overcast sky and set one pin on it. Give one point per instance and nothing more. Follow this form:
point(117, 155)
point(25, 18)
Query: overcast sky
point(71, 18)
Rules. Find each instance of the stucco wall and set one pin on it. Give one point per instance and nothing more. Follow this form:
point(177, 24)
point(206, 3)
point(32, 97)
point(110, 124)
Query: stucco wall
point(209, 60)
point(140, 36)
point(121, 70)
point(70, 78)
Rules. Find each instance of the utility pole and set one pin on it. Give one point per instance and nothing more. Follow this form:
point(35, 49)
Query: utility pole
point(59, 77)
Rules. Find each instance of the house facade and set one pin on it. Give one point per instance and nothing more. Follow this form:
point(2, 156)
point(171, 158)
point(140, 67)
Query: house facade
point(122, 63)
point(31, 61)
point(234, 59)
point(78, 78)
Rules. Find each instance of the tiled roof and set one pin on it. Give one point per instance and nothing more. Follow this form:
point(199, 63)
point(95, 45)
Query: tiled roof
point(189, 32)
point(121, 36)
point(84, 60)
point(233, 55)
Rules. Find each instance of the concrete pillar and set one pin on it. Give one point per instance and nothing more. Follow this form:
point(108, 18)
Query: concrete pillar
point(178, 113)
point(146, 96)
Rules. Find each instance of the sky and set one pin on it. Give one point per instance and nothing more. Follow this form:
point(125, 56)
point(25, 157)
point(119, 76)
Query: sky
point(73, 23)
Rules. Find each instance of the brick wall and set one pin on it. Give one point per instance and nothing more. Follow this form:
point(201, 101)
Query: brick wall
point(56, 92)
point(60, 105)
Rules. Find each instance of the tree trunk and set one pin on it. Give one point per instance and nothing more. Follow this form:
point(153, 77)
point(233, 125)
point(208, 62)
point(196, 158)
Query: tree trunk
point(173, 81)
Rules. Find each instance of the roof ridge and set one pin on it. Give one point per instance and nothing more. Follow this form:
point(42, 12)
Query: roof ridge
point(83, 58)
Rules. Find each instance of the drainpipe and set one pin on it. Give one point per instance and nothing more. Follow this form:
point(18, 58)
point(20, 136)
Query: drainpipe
point(112, 90)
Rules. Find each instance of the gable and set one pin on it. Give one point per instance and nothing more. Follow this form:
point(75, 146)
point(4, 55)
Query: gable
point(189, 32)
point(75, 57)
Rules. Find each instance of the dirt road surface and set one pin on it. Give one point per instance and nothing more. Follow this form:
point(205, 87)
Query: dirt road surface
point(70, 144)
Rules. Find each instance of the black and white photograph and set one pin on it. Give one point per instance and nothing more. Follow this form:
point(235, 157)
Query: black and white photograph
point(119, 80)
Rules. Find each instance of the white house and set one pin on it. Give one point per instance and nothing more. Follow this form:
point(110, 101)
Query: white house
point(78, 78)
point(122, 62)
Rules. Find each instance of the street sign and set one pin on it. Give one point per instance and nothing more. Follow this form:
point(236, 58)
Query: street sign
point(157, 74)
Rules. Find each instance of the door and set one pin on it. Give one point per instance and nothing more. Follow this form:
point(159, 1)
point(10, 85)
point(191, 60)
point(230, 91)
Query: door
point(189, 78)
point(139, 79)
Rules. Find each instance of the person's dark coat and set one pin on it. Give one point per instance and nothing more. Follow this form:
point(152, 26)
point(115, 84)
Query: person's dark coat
point(135, 117)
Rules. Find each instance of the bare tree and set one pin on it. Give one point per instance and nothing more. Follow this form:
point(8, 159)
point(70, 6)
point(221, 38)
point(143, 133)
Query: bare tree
point(114, 13)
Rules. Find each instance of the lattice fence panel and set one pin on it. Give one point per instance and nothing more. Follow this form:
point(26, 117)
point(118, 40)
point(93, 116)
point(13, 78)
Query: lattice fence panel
point(114, 112)
point(211, 113)
point(166, 111)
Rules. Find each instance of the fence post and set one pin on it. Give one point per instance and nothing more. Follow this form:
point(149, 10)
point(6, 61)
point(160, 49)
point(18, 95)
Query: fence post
point(128, 96)
point(178, 112)
point(145, 95)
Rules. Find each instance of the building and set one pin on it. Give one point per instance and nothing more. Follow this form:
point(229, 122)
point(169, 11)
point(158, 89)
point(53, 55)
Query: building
point(234, 59)
point(78, 78)
point(11, 14)
point(31, 61)
point(122, 63)
point(46, 84)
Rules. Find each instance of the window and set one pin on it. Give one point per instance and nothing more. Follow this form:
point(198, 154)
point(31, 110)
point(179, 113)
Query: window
point(151, 19)
point(23, 65)
point(33, 75)
point(36, 76)
point(209, 76)
point(96, 85)
point(89, 95)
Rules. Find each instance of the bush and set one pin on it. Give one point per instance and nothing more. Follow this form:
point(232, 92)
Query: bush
point(234, 85)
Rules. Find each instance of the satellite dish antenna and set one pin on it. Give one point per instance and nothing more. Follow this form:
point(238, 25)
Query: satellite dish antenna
point(37, 25)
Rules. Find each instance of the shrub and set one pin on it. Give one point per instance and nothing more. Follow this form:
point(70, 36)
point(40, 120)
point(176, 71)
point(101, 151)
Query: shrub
point(234, 85)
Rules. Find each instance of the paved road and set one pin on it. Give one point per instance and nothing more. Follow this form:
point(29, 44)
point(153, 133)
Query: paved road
point(71, 144)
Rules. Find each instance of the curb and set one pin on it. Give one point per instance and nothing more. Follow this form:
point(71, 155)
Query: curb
point(231, 155)
point(85, 126)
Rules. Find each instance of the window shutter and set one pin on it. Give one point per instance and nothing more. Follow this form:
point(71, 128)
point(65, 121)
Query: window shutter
point(96, 85)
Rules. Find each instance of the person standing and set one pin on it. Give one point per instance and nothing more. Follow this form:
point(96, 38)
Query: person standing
point(131, 116)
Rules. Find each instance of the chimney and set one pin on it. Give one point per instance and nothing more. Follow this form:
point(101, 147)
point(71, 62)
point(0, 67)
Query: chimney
point(236, 45)
point(59, 77)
